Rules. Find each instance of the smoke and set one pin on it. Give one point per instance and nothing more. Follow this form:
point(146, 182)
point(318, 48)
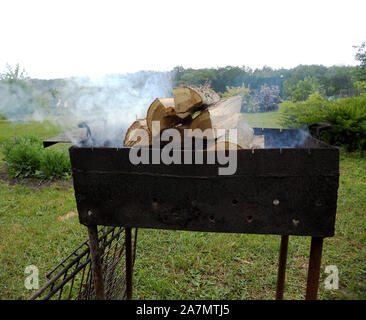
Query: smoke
point(109, 103)
point(276, 138)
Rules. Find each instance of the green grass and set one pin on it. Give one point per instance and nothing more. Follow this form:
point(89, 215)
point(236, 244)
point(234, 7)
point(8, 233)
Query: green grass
point(31, 235)
point(43, 131)
point(178, 264)
point(263, 119)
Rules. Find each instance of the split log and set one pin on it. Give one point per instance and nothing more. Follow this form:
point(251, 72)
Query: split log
point(190, 99)
point(162, 110)
point(187, 141)
point(245, 134)
point(208, 95)
point(186, 99)
point(256, 143)
point(244, 139)
point(224, 145)
point(134, 137)
point(223, 115)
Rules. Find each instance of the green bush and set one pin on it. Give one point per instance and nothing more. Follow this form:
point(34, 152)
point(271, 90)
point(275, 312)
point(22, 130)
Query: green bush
point(26, 158)
point(296, 114)
point(347, 118)
point(22, 156)
point(54, 165)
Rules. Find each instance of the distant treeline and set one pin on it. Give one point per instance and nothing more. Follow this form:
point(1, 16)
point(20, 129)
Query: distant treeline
point(332, 80)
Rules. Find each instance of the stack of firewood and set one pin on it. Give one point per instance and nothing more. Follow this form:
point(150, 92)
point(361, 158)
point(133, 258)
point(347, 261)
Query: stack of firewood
point(195, 108)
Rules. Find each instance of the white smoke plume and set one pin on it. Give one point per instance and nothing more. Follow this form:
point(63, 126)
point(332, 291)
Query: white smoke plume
point(108, 104)
point(112, 101)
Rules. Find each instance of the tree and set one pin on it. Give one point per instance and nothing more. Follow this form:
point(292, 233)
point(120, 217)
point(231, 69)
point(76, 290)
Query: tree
point(331, 79)
point(13, 74)
point(299, 73)
point(361, 56)
point(337, 78)
point(360, 73)
point(304, 88)
point(247, 103)
point(19, 98)
point(268, 98)
point(177, 72)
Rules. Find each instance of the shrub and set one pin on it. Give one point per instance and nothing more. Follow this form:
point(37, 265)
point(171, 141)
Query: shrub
point(296, 114)
point(54, 165)
point(23, 156)
point(267, 98)
point(26, 158)
point(347, 118)
point(304, 88)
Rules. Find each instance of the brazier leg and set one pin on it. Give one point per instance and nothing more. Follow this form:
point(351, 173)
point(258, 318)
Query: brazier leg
point(96, 263)
point(314, 268)
point(281, 274)
point(128, 263)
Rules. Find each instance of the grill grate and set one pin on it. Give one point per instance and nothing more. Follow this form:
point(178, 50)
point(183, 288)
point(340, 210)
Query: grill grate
point(72, 278)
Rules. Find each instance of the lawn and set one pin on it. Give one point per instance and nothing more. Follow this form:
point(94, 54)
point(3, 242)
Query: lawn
point(42, 130)
point(263, 120)
point(178, 264)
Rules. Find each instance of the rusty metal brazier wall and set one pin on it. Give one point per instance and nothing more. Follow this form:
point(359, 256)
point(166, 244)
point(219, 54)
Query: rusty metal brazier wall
point(289, 191)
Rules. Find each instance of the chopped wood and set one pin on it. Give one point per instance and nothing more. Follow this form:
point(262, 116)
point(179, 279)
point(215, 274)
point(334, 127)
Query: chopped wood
point(224, 145)
point(223, 115)
point(186, 140)
point(208, 95)
point(190, 99)
point(244, 139)
point(245, 134)
point(196, 108)
point(162, 110)
point(186, 99)
point(256, 143)
point(134, 137)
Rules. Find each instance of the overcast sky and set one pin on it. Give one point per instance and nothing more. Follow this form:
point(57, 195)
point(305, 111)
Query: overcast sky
point(53, 39)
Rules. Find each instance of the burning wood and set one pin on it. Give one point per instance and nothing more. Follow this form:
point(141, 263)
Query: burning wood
point(203, 113)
